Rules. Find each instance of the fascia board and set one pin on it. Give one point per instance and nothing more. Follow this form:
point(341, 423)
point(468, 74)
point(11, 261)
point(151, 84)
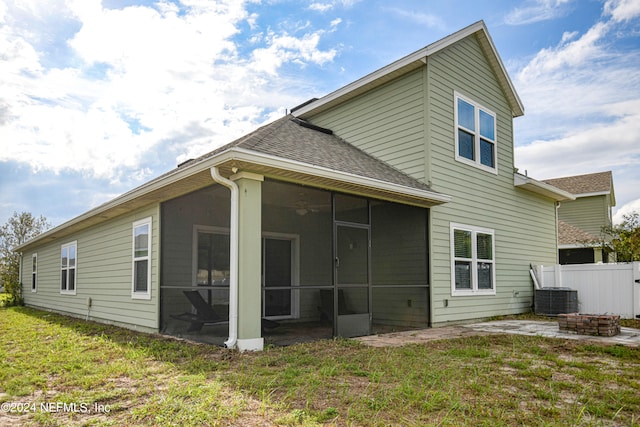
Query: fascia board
point(419, 55)
point(541, 188)
point(241, 155)
point(249, 156)
point(592, 245)
point(597, 193)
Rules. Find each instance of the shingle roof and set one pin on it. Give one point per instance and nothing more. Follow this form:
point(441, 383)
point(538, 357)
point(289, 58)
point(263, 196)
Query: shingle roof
point(599, 182)
point(293, 139)
point(572, 235)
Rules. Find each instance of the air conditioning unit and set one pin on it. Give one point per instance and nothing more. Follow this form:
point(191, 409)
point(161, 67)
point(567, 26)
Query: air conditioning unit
point(554, 301)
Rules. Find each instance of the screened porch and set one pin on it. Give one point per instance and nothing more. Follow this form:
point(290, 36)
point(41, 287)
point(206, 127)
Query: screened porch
point(332, 264)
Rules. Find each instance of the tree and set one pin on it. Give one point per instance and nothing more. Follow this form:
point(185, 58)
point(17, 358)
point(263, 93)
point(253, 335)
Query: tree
point(16, 231)
point(625, 237)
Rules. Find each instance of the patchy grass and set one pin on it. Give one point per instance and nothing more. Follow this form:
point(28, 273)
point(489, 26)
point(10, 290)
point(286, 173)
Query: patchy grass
point(149, 380)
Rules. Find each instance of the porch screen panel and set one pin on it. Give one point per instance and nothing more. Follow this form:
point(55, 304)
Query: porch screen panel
point(194, 266)
point(399, 265)
point(277, 271)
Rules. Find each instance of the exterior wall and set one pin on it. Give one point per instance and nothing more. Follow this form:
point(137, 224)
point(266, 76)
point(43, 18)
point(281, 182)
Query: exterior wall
point(103, 273)
point(524, 223)
point(389, 123)
point(587, 213)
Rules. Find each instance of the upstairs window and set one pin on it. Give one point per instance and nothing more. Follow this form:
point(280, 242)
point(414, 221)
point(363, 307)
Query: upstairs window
point(141, 259)
point(68, 268)
point(473, 262)
point(475, 134)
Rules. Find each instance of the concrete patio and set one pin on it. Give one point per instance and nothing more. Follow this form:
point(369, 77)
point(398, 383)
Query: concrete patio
point(627, 336)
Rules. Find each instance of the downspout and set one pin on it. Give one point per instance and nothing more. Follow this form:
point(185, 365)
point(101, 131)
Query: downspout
point(233, 257)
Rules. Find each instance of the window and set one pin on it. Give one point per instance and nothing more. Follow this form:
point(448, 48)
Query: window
point(69, 263)
point(473, 264)
point(141, 259)
point(475, 134)
point(34, 272)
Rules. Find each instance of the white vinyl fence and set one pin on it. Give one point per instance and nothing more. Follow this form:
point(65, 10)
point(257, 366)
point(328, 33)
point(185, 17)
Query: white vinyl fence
point(602, 288)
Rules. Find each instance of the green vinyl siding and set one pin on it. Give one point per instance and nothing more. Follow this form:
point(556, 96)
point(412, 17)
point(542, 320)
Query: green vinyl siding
point(389, 123)
point(103, 273)
point(524, 223)
point(587, 213)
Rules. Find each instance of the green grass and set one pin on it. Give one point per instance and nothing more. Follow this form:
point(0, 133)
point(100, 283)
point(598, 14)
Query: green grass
point(501, 380)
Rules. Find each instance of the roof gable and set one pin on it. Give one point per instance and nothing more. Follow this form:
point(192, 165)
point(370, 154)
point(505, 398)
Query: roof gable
point(414, 61)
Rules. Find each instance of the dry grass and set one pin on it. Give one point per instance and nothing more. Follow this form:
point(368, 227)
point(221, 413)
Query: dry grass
point(148, 380)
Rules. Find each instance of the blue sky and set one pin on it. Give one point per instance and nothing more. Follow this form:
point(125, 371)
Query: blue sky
point(98, 97)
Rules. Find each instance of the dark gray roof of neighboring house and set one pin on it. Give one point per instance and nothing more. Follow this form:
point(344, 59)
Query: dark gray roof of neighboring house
point(572, 235)
point(600, 182)
point(294, 139)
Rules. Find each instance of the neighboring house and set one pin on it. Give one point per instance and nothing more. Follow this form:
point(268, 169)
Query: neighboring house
point(391, 202)
point(580, 221)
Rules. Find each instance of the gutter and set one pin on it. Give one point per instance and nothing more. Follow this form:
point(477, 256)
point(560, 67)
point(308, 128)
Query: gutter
point(233, 257)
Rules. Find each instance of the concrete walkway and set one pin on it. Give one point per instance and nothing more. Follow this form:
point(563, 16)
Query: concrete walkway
point(627, 336)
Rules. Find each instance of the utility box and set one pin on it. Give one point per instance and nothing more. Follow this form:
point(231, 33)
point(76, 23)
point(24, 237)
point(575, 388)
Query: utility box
point(554, 301)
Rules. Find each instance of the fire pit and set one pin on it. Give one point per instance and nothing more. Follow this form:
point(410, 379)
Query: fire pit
point(590, 324)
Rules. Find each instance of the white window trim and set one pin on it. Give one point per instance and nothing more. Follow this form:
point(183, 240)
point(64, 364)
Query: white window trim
point(34, 273)
point(474, 261)
point(75, 267)
point(476, 134)
point(137, 294)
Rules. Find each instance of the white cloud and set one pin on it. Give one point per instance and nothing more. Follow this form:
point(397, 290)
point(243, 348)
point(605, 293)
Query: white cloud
point(628, 208)
point(426, 19)
point(622, 10)
point(321, 7)
point(570, 52)
point(583, 106)
point(593, 148)
point(536, 11)
point(134, 78)
point(285, 48)
point(329, 5)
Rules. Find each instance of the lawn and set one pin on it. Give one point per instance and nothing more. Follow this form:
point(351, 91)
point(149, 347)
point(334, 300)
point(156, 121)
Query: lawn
point(60, 371)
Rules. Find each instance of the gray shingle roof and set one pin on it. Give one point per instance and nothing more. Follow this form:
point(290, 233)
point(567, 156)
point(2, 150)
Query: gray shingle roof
point(572, 235)
point(293, 139)
point(599, 182)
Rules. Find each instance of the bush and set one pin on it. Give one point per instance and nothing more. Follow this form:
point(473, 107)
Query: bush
point(13, 294)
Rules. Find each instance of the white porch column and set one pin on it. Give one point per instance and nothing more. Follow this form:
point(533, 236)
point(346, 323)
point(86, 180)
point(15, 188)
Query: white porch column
point(249, 261)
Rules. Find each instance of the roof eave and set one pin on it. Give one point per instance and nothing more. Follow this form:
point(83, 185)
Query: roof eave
point(164, 181)
point(539, 187)
point(279, 163)
point(586, 245)
point(421, 197)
